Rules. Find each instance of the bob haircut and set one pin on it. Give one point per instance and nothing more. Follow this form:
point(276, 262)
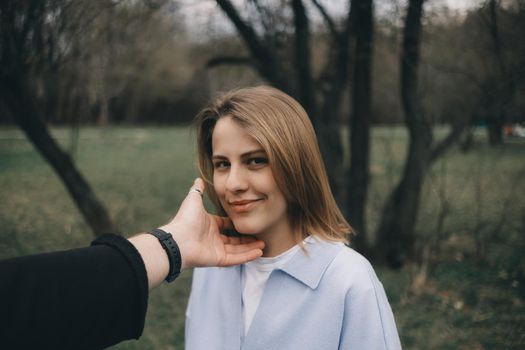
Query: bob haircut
point(282, 128)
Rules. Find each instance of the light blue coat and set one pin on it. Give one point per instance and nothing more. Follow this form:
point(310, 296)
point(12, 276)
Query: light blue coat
point(326, 300)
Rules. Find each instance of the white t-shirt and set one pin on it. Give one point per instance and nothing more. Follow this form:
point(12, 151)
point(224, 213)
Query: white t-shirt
point(255, 274)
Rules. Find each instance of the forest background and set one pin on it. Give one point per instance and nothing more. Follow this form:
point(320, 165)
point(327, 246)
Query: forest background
point(418, 106)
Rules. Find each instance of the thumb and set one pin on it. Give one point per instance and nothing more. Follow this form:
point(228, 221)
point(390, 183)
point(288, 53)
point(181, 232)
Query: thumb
point(198, 185)
point(197, 189)
point(193, 200)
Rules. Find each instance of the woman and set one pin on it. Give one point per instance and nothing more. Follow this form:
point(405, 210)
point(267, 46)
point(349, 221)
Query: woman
point(258, 152)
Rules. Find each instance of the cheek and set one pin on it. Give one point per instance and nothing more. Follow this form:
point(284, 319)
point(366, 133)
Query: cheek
point(280, 205)
point(217, 184)
point(219, 188)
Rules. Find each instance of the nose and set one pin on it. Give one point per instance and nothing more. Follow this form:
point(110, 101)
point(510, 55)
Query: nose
point(237, 180)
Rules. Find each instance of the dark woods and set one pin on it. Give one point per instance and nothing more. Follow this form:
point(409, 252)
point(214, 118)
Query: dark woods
point(408, 63)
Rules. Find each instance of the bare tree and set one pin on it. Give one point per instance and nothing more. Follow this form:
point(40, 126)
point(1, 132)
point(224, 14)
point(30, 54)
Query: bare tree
point(33, 37)
point(395, 234)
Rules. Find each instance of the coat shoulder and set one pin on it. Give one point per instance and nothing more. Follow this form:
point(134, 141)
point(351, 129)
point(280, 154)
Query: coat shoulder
point(353, 270)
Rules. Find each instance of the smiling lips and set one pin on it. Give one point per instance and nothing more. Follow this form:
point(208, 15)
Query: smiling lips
point(243, 206)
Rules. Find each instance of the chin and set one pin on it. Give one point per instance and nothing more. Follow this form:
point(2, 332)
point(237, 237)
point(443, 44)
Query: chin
point(245, 228)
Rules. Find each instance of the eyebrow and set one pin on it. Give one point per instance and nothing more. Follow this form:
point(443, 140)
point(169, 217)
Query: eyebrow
point(244, 155)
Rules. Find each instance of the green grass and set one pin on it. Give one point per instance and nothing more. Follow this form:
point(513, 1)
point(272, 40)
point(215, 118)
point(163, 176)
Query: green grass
point(470, 300)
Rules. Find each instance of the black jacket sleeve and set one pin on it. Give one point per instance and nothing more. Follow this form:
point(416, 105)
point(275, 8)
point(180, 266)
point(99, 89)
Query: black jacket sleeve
point(87, 298)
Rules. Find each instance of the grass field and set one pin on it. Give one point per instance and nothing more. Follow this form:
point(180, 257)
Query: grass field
point(472, 217)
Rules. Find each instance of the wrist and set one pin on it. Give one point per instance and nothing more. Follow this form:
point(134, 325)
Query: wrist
point(155, 258)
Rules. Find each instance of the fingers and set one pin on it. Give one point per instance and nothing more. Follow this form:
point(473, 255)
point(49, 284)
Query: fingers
point(242, 248)
point(248, 239)
point(234, 240)
point(241, 257)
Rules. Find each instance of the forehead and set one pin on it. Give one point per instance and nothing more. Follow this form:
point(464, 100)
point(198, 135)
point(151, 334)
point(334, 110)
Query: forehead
point(230, 137)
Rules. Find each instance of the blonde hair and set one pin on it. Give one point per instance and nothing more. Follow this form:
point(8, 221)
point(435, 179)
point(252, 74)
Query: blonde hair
point(282, 127)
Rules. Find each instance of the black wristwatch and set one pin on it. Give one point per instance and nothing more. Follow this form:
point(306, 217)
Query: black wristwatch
point(172, 249)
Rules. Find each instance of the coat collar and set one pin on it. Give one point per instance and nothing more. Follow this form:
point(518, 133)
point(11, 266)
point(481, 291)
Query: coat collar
point(309, 267)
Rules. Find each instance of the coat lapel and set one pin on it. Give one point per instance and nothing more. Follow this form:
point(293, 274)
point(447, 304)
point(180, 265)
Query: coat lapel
point(230, 307)
point(306, 268)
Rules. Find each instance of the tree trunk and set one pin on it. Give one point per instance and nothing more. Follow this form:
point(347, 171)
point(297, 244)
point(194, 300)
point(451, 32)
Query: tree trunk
point(305, 83)
point(25, 113)
point(329, 131)
point(103, 113)
point(358, 176)
point(395, 235)
point(329, 138)
point(327, 125)
point(503, 84)
point(495, 131)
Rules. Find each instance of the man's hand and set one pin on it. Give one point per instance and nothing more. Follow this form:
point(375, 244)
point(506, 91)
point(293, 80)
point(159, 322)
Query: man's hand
point(199, 237)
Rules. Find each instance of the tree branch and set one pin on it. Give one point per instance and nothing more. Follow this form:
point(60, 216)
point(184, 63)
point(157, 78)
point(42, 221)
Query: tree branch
point(228, 60)
point(328, 20)
point(453, 70)
point(266, 63)
point(449, 140)
point(266, 16)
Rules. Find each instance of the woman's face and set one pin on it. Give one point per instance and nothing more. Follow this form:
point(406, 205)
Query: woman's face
point(244, 182)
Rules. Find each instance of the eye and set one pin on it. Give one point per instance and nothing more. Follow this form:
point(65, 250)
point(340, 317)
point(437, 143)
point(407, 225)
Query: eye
point(221, 164)
point(257, 162)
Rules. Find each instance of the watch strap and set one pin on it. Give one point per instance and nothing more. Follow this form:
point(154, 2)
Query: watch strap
point(172, 249)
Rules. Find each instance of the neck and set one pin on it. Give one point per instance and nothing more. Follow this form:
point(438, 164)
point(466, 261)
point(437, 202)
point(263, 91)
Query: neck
point(277, 241)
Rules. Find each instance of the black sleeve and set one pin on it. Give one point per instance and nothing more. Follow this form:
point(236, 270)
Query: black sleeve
point(87, 298)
